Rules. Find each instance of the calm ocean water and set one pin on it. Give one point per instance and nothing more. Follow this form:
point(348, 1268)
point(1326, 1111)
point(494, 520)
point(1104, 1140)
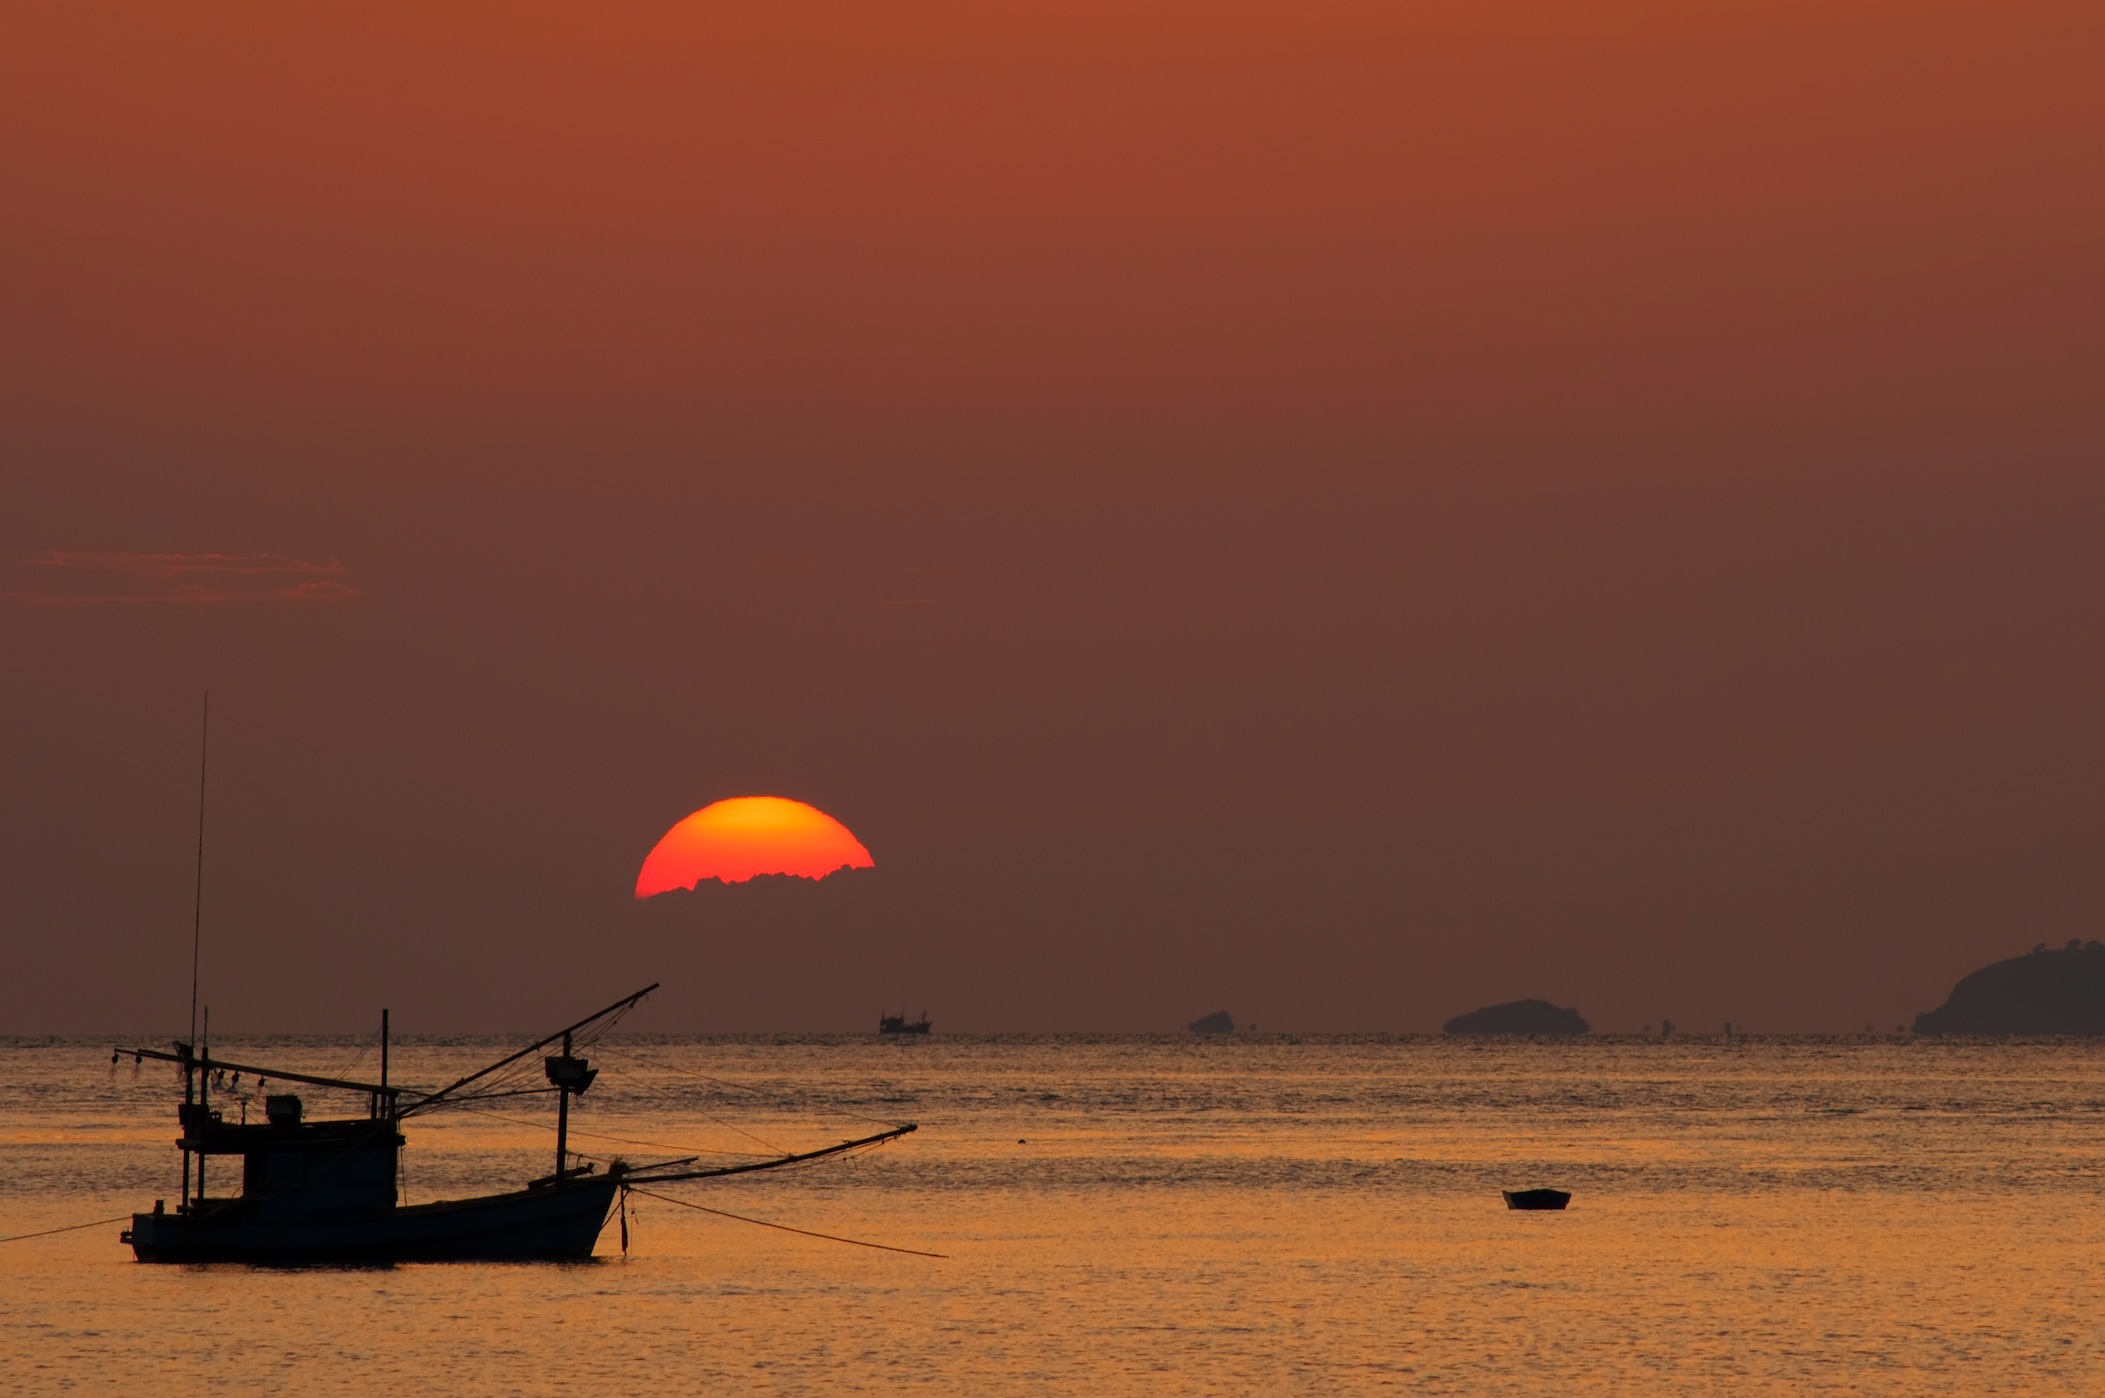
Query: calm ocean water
point(1151, 1215)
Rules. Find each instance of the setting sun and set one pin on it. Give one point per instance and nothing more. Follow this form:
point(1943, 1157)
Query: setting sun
point(736, 839)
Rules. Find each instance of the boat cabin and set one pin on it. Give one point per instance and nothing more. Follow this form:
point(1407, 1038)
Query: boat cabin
point(292, 1168)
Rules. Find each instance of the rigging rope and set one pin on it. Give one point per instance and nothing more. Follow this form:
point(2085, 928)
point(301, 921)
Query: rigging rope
point(728, 1126)
point(356, 1059)
point(497, 1079)
point(806, 1232)
point(757, 1092)
point(625, 1140)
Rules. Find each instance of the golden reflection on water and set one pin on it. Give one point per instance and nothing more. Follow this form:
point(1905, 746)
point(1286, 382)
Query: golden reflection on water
point(1157, 1216)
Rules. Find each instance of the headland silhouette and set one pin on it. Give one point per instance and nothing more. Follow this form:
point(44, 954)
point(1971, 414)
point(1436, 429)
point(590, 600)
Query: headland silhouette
point(2046, 992)
point(1537, 1017)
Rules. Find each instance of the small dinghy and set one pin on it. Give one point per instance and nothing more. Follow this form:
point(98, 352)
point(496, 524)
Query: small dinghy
point(1537, 1198)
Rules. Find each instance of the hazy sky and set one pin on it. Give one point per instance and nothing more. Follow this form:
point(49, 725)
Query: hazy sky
point(1346, 512)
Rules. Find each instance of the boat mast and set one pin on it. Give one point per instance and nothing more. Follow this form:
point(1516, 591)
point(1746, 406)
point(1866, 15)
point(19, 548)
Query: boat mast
point(182, 1200)
point(197, 923)
point(562, 1119)
point(197, 898)
point(204, 1103)
point(383, 1064)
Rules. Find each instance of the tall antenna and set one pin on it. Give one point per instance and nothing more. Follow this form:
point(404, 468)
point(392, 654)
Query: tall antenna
point(197, 901)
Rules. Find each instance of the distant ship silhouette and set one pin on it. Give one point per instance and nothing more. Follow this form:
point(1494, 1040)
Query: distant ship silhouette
point(900, 1024)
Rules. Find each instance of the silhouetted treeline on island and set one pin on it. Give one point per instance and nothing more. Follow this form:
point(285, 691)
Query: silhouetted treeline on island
point(2047, 992)
point(1518, 1017)
point(762, 885)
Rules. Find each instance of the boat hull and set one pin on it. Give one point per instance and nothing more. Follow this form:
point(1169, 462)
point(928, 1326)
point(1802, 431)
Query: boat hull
point(528, 1225)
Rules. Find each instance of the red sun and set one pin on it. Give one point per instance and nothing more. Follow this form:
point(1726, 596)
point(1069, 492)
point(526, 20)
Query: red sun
point(734, 840)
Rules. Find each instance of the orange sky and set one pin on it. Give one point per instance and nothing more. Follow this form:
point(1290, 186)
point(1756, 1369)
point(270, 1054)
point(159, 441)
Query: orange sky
point(1347, 511)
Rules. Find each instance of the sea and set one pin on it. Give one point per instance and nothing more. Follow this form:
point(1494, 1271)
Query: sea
point(1227, 1214)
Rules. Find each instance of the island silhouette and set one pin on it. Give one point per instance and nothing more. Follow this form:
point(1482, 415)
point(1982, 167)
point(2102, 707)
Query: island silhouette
point(1219, 1022)
point(2046, 992)
point(1518, 1017)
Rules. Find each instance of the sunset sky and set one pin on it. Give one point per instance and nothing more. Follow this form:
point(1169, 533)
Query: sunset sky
point(1342, 511)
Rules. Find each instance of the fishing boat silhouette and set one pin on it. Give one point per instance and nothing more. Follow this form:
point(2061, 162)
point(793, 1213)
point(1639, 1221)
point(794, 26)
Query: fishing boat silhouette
point(324, 1191)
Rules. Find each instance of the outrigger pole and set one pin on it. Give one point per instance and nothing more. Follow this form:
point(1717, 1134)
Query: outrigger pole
point(642, 1173)
point(207, 1063)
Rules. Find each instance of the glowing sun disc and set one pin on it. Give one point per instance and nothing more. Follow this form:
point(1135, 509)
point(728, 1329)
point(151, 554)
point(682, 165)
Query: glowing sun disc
point(747, 835)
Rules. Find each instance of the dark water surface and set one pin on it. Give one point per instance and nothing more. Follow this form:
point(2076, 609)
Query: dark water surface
point(1152, 1215)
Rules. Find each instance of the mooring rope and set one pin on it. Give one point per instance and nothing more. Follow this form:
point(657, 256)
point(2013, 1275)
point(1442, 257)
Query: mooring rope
point(70, 1228)
point(829, 1237)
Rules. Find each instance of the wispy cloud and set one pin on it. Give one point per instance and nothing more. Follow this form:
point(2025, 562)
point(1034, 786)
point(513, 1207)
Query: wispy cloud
point(74, 578)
